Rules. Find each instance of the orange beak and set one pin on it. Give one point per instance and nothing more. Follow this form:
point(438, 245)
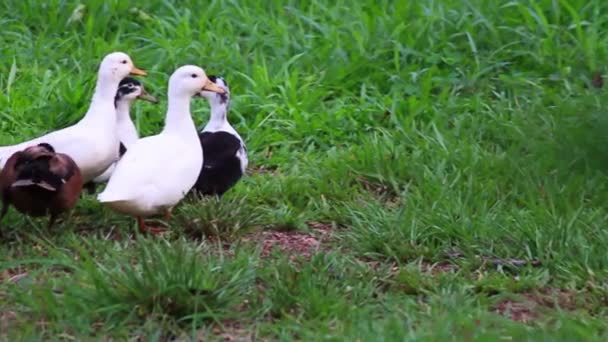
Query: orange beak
point(138, 71)
point(210, 86)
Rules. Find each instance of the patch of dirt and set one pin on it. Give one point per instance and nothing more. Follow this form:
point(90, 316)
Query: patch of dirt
point(323, 229)
point(261, 170)
point(555, 298)
point(529, 305)
point(427, 267)
point(440, 267)
point(293, 243)
point(233, 331)
point(290, 242)
point(6, 318)
point(390, 197)
point(228, 330)
point(516, 310)
point(12, 275)
point(375, 187)
point(111, 233)
point(393, 268)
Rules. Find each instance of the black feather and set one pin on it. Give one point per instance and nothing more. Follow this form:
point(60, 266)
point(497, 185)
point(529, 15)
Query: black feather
point(122, 149)
point(47, 147)
point(221, 167)
point(37, 170)
point(214, 79)
point(126, 86)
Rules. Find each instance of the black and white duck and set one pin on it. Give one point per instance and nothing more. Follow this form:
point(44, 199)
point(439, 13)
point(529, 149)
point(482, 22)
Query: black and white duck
point(225, 154)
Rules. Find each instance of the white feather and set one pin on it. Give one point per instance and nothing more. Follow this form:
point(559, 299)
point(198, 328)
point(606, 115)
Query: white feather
point(152, 176)
point(127, 135)
point(93, 141)
point(156, 172)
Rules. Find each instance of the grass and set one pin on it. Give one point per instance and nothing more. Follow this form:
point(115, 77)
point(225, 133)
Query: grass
point(457, 150)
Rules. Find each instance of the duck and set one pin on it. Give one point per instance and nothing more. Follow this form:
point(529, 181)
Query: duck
point(129, 90)
point(225, 153)
point(38, 181)
point(93, 141)
point(157, 171)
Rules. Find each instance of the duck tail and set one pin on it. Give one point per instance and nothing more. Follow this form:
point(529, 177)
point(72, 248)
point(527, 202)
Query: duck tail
point(110, 199)
point(102, 197)
point(106, 197)
point(109, 196)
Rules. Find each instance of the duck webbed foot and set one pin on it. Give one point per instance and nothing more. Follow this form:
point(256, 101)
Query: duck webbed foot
point(144, 229)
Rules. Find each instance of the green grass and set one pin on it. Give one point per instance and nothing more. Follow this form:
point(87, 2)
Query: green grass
point(439, 139)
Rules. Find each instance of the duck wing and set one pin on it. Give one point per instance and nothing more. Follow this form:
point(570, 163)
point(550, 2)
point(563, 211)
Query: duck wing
point(218, 147)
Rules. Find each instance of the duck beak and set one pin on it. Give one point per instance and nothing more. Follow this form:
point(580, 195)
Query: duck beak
point(210, 86)
point(146, 96)
point(137, 71)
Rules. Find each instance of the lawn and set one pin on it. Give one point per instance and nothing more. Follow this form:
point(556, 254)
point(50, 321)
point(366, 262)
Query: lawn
point(419, 170)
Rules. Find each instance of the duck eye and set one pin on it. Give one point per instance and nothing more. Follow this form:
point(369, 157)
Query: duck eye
point(194, 76)
point(124, 61)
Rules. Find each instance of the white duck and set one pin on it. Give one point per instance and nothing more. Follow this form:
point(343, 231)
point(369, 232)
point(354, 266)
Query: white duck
point(129, 90)
point(223, 148)
point(92, 142)
point(157, 171)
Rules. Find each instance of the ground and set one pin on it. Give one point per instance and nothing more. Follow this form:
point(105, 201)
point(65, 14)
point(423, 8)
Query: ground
point(420, 170)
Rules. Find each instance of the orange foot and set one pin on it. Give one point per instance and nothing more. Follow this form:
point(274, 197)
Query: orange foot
point(148, 230)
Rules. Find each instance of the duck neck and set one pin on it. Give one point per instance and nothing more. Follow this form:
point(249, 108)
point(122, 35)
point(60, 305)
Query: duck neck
point(179, 120)
point(127, 133)
point(102, 104)
point(218, 117)
point(123, 109)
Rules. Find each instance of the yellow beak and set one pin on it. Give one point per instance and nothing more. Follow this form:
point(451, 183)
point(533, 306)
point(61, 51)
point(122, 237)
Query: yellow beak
point(137, 71)
point(210, 86)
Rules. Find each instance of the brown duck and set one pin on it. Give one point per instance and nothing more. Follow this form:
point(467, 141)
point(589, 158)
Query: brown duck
point(38, 182)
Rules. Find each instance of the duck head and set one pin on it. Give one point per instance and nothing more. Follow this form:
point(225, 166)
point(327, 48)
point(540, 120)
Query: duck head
point(214, 98)
point(41, 148)
point(131, 89)
point(118, 65)
point(32, 168)
point(190, 80)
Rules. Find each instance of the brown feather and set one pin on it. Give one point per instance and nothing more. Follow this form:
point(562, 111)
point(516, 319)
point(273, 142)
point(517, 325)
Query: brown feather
point(40, 197)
